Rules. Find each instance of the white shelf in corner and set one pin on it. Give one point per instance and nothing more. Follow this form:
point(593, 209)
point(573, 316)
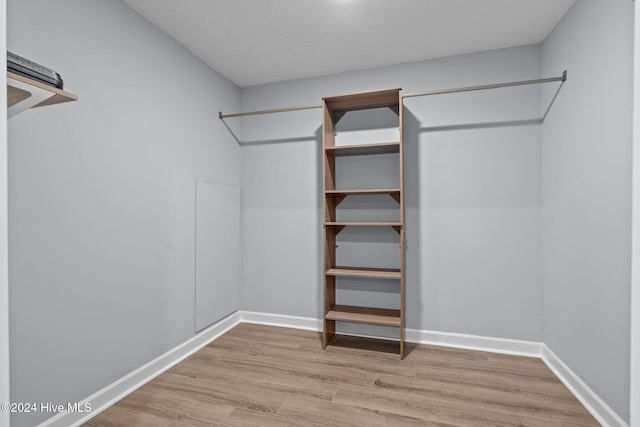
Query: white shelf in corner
point(24, 93)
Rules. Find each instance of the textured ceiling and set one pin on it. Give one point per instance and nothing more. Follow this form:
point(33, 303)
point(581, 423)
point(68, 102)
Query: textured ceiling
point(253, 42)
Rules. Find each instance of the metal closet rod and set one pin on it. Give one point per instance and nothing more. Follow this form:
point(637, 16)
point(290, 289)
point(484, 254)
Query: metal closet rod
point(561, 78)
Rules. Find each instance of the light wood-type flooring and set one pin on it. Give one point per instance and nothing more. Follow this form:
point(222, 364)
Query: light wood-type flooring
point(257, 375)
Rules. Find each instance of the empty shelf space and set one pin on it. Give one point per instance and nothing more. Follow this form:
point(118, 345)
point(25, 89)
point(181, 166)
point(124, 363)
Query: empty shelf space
point(373, 316)
point(364, 149)
point(339, 195)
point(380, 273)
point(364, 100)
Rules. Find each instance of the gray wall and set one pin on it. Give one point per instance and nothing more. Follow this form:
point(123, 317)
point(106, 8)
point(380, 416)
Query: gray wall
point(4, 259)
point(218, 269)
point(102, 197)
point(472, 195)
point(635, 251)
point(586, 187)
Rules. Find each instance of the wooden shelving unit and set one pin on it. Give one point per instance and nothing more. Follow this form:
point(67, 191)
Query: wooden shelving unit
point(24, 93)
point(334, 108)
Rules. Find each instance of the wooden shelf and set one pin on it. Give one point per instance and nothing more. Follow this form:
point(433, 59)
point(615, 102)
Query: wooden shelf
point(371, 316)
point(364, 149)
point(24, 93)
point(364, 223)
point(364, 100)
point(378, 273)
point(390, 191)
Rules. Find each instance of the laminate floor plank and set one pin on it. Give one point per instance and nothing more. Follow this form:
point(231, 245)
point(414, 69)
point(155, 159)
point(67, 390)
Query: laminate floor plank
point(317, 369)
point(550, 408)
point(258, 375)
point(274, 381)
point(223, 391)
point(119, 416)
point(238, 344)
point(507, 383)
point(537, 371)
point(438, 356)
point(393, 367)
point(181, 424)
point(246, 418)
point(430, 409)
point(316, 412)
point(275, 336)
point(155, 400)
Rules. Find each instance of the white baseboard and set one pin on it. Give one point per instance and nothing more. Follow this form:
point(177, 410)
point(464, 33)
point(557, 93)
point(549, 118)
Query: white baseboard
point(282, 320)
point(115, 391)
point(470, 342)
point(104, 398)
point(594, 404)
point(475, 342)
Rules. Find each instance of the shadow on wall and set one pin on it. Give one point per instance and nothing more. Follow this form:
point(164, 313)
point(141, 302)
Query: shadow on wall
point(318, 295)
point(317, 136)
point(488, 125)
point(413, 232)
point(551, 95)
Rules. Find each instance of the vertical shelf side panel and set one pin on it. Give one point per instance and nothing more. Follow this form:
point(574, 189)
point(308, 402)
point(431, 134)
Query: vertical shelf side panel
point(329, 253)
point(402, 220)
point(328, 128)
point(329, 326)
point(329, 294)
point(401, 155)
point(402, 304)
